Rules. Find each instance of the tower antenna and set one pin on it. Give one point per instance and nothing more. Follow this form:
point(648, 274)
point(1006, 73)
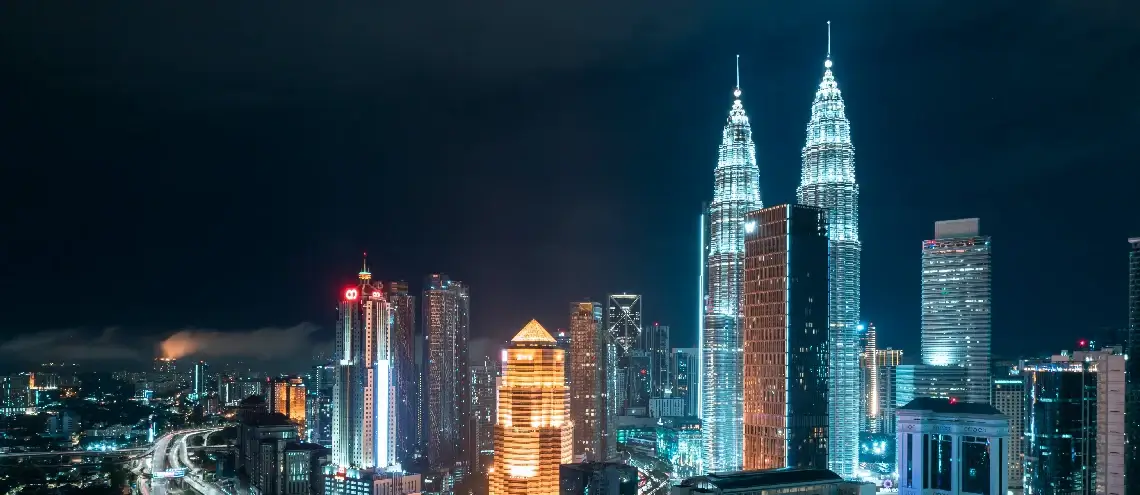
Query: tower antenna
point(738, 70)
point(828, 39)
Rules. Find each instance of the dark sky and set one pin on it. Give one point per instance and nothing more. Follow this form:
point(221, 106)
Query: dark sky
point(222, 165)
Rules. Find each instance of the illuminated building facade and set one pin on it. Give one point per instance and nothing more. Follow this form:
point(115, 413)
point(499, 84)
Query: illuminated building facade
point(736, 191)
point(952, 447)
point(956, 286)
point(623, 322)
point(484, 382)
point(403, 306)
point(878, 366)
point(534, 433)
point(287, 397)
point(593, 427)
point(1009, 398)
point(1075, 423)
point(655, 342)
point(447, 323)
point(827, 181)
point(1132, 349)
point(364, 426)
point(686, 378)
point(199, 380)
point(785, 338)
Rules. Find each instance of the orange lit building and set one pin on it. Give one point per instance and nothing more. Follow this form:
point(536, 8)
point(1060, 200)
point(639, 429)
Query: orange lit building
point(534, 433)
point(287, 396)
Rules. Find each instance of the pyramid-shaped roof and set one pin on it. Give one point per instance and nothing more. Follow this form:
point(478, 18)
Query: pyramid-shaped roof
point(533, 332)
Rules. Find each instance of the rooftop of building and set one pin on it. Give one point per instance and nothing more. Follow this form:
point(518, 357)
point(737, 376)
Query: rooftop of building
point(950, 406)
point(533, 333)
point(762, 478)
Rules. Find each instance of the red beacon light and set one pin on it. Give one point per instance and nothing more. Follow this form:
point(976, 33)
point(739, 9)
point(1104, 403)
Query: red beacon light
point(351, 294)
point(953, 400)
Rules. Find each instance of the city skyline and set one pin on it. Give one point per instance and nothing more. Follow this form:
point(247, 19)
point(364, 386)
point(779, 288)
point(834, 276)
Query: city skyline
point(880, 84)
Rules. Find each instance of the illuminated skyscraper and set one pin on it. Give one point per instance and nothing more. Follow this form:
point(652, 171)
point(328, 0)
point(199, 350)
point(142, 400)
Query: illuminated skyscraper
point(655, 342)
point(593, 428)
point(1132, 405)
point(364, 425)
point(534, 433)
point(484, 379)
point(623, 322)
point(956, 304)
point(736, 191)
point(686, 375)
point(199, 380)
point(446, 307)
point(287, 397)
point(404, 370)
point(785, 338)
point(827, 181)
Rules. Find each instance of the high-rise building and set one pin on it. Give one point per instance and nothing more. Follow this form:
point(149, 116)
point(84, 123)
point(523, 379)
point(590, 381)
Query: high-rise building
point(686, 378)
point(1062, 423)
point(916, 381)
point(736, 191)
point(1132, 406)
point(588, 398)
point(200, 379)
point(403, 305)
point(534, 432)
point(484, 379)
point(623, 322)
point(1009, 398)
point(956, 286)
point(287, 397)
point(562, 336)
point(877, 401)
point(655, 342)
point(952, 447)
point(827, 180)
point(365, 430)
point(785, 338)
point(446, 307)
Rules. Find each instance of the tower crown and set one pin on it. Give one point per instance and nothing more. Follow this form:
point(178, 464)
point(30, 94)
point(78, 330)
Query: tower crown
point(533, 332)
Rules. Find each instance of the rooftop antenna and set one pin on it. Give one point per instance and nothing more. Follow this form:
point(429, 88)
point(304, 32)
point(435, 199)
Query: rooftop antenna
point(827, 63)
point(736, 92)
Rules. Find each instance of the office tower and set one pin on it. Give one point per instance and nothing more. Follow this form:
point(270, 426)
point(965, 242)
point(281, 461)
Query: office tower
point(956, 284)
point(446, 307)
point(785, 338)
point(364, 422)
point(887, 362)
point(198, 381)
point(562, 336)
point(598, 478)
point(484, 378)
point(655, 341)
point(1009, 398)
point(287, 397)
point(827, 180)
point(1111, 424)
point(686, 377)
point(1132, 406)
point(403, 305)
point(623, 322)
point(588, 397)
point(915, 381)
point(869, 383)
point(319, 385)
point(534, 433)
point(952, 447)
point(736, 191)
point(639, 383)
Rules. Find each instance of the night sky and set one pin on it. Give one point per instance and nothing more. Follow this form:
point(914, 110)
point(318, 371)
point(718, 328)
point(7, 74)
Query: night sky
point(220, 168)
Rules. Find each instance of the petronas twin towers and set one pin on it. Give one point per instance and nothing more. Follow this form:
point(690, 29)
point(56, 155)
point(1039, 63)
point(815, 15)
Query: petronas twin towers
point(827, 181)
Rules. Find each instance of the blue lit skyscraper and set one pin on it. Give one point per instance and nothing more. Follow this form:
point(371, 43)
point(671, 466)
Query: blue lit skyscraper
point(827, 181)
point(736, 191)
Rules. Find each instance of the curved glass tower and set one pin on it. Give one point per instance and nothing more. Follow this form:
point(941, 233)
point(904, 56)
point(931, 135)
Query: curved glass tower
point(828, 181)
point(736, 192)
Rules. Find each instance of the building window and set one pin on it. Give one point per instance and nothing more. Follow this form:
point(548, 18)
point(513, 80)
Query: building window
point(940, 464)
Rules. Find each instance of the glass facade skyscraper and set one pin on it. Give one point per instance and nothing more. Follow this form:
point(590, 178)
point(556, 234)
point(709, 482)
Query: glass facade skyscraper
point(1132, 369)
point(446, 320)
point(785, 338)
point(827, 181)
point(736, 191)
point(956, 286)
